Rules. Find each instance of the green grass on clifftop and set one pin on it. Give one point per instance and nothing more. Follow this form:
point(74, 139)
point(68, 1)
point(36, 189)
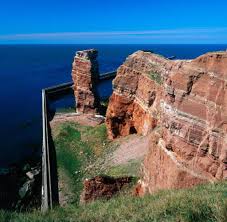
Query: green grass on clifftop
point(207, 203)
point(78, 147)
point(82, 151)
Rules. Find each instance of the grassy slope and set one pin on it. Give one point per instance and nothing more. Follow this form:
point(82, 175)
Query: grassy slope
point(81, 153)
point(79, 147)
point(203, 203)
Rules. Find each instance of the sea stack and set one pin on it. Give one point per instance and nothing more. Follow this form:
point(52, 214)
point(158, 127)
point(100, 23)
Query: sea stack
point(85, 74)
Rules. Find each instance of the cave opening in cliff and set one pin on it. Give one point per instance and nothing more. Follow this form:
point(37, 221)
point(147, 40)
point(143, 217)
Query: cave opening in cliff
point(132, 130)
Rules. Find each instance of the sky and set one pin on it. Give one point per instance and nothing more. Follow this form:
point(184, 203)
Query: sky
point(113, 21)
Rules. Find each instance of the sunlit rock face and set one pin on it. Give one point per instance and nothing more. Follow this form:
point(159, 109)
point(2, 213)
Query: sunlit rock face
point(85, 74)
point(134, 106)
point(182, 105)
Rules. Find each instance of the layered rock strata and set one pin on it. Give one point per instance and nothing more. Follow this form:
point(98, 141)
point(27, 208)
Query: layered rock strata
point(85, 74)
point(182, 105)
point(134, 104)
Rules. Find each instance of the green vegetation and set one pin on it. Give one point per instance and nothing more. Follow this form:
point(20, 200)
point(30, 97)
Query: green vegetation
point(203, 203)
point(103, 106)
point(78, 147)
point(156, 77)
point(105, 103)
point(82, 152)
point(161, 56)
point(214, 52)
point(130, 169)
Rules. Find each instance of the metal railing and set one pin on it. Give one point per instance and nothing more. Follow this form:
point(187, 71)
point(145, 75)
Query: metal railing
point(49, 165)
point(107, 75)
point(50, 195)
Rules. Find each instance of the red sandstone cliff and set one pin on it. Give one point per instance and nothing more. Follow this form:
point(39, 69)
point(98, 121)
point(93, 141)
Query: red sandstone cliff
point(183, 106)
point(85, 74)
point(134, 105)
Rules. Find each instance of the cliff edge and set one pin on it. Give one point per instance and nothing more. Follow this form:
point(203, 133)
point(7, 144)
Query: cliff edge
point(182, 105)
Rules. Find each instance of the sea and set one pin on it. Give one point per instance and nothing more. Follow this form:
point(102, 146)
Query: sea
point(26, 69)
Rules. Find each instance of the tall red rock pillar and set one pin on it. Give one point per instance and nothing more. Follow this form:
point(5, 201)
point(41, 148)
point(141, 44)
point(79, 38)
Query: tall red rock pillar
point(85, 74)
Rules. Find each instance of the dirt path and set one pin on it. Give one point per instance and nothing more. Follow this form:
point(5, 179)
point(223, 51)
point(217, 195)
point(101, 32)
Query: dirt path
point(125, 149)
point(133, 147)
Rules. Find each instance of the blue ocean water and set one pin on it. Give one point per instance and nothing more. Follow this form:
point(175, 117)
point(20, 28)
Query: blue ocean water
point(26, 69)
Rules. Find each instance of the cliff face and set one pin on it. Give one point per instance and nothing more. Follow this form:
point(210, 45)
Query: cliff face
point(183, 106)
point(134, 104)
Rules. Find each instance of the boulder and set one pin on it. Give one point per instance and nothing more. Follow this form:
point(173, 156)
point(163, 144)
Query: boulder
point(102, 187)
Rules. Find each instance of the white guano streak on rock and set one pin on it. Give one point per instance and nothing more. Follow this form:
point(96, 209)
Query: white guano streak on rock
point(161, 144)
point(211, 124)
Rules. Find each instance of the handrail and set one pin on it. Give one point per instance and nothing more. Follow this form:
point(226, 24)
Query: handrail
point(45, 196)
point(107, 75)
point(46, 171)
point(49, 166)
point(67, 85)
point(60, 87)
point(50, 196)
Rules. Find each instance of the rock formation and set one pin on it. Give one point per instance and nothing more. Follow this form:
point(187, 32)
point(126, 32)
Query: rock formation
point(182, 105)
point(102, 187)
point(133, 106)
point(85, 74)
